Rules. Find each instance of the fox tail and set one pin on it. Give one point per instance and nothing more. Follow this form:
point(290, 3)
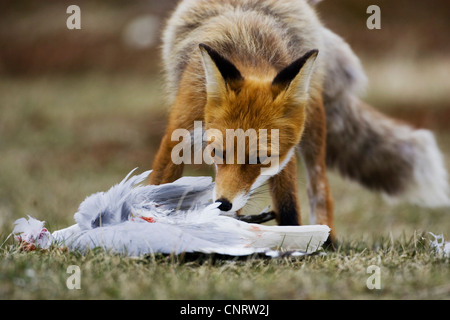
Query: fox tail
point(381, 153)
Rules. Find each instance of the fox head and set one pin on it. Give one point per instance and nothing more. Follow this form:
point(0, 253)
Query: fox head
point(268, 112)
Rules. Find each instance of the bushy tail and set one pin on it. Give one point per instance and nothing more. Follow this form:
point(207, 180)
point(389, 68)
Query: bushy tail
point(385, 155)
point(381, 153)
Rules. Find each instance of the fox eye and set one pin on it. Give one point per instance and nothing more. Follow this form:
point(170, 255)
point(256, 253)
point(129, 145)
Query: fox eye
point(255, 160)
point(218, 153)
point(262, 160)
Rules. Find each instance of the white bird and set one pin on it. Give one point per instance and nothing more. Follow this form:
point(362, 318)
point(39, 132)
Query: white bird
point(135, 219)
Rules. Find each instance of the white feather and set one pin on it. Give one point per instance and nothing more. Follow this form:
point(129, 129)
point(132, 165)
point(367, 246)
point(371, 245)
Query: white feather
point(119, 220)
point(32, 231)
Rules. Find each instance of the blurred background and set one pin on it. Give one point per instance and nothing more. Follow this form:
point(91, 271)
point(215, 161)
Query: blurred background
point(80, 108)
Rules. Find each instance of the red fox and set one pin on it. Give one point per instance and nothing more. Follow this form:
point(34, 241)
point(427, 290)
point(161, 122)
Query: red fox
point(271, 64)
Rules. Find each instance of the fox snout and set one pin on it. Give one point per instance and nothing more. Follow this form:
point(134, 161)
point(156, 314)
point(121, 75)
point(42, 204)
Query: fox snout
point(225, 205)
point(234, 202)
point(234, 185)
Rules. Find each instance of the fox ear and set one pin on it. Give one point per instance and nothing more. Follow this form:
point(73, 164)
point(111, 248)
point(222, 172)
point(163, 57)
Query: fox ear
point(219, 71)
point(295, 78)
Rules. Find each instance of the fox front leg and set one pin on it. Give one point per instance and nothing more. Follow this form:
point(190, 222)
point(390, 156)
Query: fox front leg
point(313, 151)
point(283, 188)
point(164, 169)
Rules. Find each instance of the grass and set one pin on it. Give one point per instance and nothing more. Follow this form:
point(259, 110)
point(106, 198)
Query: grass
point(63, 138)
point(408, 270)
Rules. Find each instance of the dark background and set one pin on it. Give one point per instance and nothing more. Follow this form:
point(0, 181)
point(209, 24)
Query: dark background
point(34, 38)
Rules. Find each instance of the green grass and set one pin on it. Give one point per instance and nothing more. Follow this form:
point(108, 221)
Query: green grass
point(408, 270)
point(64, 138)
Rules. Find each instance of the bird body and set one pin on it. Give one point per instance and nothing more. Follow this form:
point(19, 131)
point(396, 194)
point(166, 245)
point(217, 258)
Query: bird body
point(135, 219)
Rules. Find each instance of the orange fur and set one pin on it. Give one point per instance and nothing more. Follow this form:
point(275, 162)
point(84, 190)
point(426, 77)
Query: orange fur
point(229, 83)
point(232, 65)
